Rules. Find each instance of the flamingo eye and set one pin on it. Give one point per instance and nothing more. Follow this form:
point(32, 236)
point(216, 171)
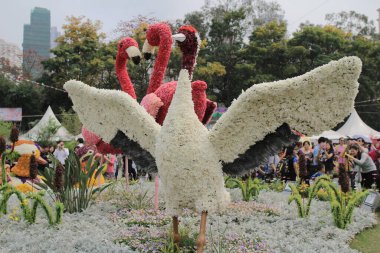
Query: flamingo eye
point(121, 45)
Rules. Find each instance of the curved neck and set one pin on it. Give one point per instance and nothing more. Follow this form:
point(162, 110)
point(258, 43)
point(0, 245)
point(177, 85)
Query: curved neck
point(122, 75)
point(189, 62)
point(159, 68)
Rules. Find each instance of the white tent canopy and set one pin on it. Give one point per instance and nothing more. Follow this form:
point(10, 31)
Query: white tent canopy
point(356, 126)
point(331, 135)
point(61, 134)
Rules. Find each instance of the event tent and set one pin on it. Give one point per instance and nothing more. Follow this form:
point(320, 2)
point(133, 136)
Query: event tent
point(331, 135)
point(355, 126)
point(61, 134)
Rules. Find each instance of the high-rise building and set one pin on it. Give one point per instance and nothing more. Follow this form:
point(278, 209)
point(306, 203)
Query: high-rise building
point(36, 44)
point(11, 52)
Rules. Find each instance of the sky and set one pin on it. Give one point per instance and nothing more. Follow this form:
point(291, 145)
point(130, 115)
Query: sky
point(15, 13)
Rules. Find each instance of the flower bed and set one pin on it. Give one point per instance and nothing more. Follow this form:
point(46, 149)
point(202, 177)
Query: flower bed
point(268, 225)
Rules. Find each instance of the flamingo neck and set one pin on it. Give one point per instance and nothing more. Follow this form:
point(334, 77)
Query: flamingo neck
point(159, 68)
point(189, 62)
point(122, 75)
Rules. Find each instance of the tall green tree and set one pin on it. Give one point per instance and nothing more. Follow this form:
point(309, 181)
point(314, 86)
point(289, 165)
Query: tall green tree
point(25, 95)
point(76, 55)
point(226, 25)
point(322, 43)
point(81, 54)
point(352, 22)
point(369, 52)
point(224, 41)
point(268, 52)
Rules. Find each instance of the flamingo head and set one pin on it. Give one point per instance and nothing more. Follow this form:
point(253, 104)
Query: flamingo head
point(189, 43)
point(129, 49)
point(188, 40)
point(159, 34)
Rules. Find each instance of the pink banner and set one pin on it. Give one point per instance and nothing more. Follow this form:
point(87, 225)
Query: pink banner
point(11, 114)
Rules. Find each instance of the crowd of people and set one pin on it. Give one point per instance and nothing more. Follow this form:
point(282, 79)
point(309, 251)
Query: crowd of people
point(45, 152)
point(113, 163)
point(304, 160)
point(307, 161)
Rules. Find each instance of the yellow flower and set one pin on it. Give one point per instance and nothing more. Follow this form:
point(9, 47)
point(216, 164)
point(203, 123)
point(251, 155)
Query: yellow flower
point(41, 177)
point(14, 214)
point(25, 202)
point(322, 195)
point(303, 187)
point(25, 188)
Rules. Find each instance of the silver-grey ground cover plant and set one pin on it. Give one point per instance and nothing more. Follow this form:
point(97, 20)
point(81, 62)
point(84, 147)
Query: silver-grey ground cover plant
point(96, 228)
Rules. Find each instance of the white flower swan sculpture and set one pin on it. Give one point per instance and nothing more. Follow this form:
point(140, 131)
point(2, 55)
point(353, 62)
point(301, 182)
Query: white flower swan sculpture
point(190, 158)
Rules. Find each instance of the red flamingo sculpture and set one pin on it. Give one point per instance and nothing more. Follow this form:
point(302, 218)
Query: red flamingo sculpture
point(159, 96)
point(127, 49)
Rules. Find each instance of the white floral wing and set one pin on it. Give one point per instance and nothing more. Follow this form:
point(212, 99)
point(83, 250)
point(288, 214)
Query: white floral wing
point(310, 104)
point(105, 112)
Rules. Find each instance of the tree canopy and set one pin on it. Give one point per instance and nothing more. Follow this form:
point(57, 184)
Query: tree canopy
point(244, 42)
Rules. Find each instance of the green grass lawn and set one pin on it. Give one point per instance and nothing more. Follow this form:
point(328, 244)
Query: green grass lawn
point(368, 241)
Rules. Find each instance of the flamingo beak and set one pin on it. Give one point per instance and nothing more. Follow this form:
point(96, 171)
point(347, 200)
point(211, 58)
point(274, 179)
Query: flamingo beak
point(134, 54)
point(147, 50)
point(180, 37)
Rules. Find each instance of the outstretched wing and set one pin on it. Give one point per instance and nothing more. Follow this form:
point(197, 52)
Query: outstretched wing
point(105, 112)
point(311, 103)
point(258, 154)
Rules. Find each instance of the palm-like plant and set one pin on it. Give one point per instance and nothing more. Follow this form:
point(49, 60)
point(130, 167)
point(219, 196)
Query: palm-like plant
point(277, 185)
point(2, 152)
point(249, 188)
point(298, 196)
point(37, 200)
point(72, 185)
point(343, 204)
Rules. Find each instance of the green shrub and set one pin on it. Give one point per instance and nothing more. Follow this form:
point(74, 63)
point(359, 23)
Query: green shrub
point(5, 128)
point(277, 185)
point(47, 132)
point(12, 156)
point(322, 195)
point(138, 198)
point(299, 197)
point(3, 172)
point(250, 189)
point(229, 183)
point(342, 204)
point(70, 121)
point(71, 144)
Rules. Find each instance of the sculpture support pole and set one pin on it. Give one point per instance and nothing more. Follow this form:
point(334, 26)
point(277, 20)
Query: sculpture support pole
point(176, 236)
point(201, 242)
point(126, 173)
point(156, 188)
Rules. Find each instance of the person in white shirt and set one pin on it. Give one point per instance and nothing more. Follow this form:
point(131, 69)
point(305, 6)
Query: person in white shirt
point(61, 153)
